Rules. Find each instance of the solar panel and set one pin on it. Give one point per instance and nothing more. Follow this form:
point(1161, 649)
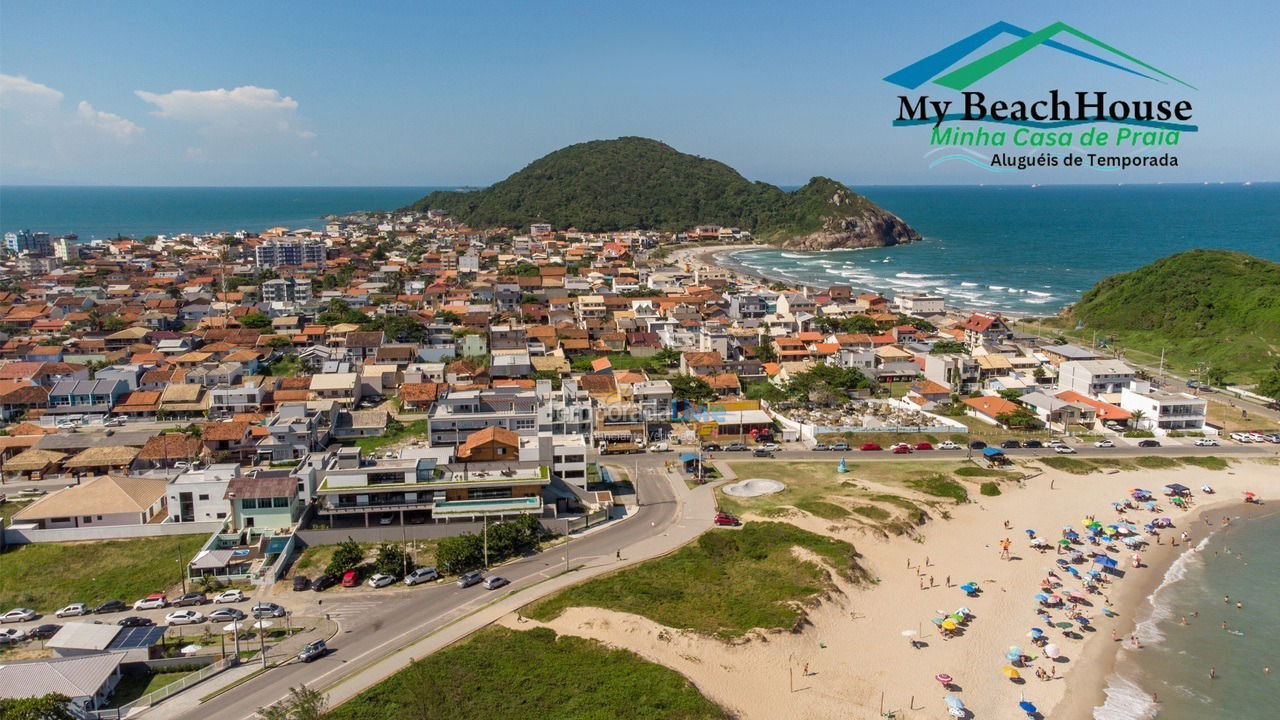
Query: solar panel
point(136, 637)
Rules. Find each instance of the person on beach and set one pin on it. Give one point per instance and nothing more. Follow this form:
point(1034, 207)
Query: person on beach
point(1239, 606)
point(1213, 673)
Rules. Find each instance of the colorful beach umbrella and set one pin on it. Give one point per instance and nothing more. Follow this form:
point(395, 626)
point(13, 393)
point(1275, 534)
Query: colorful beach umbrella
point(948, 625)
point(1051, 651)
point(952, 700)
point(1009, 672)
point(1027, 707)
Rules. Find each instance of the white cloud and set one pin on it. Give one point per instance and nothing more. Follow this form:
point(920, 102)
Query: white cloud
point(110, 122)
point(242, 110)
point(27, 97)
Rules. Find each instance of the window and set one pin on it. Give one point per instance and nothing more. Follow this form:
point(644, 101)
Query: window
point(221, 515)
point(204, 496)
point(88, 518)
point(280, 502)
point(249, 504)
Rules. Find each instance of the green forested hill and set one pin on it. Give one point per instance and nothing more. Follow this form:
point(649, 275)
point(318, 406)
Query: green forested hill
point(638, 183)
point(1216, 307)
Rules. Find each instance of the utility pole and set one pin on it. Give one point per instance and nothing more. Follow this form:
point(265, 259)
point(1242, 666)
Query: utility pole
point(486, 540)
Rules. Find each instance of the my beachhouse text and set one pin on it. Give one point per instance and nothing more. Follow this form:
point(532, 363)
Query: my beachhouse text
point(1086, 107)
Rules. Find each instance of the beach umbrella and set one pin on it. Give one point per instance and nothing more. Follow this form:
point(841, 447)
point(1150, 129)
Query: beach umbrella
point(262, 624)
point(1042, 597)
point(1010, 672)
point(1074, 572)
point(1073, 535)
point(1027, 707)
point(958, 712)
point(943, 678)
point(190, 650)
point(937, 621)
point(1063, 625)
point(1055, 599)
point(963, 611)
point(968, 588)
point(1031, 533)
point(1036, 632)
point(1014, 654)
point(1051, 651)
point(948, 625)
point(952, 700)
point(1150, 506)
point(1082, 621)
point(1066, 527)
point(232, 627)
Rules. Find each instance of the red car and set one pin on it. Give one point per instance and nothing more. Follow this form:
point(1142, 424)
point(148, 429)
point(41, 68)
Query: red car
point(902, 449)
point(351, 578)
point(870, 446)
point(924, 446)
point(727, 519)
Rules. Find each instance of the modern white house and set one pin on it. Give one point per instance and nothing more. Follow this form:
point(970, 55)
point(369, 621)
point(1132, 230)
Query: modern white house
point(1094, 377)
point(920, 304)
point(1163, 411)
point(198, 495)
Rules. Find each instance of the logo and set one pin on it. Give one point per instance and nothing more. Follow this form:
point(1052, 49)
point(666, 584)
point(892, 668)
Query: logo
point(1046, 122)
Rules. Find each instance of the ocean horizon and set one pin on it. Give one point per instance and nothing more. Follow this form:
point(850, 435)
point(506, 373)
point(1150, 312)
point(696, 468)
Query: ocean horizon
point(1020, 249)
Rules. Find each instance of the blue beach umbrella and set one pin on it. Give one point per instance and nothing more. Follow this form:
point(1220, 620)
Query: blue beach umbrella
point(1042, 597)
point(1027, 707)
point(955, 702)
point(1013, 655)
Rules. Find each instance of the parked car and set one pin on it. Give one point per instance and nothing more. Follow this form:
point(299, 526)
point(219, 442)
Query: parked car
point(323, 582)
point(1206, 442)
point(771, 447)
point(31, 493)
point(1104, 444)
point(840, 446)
point(154, 601)
point(19, 615)
point(868, 447)
point(43, 632)
point(469, 579)
point(300, 583)
point(1149, 443)
point(735, 447)
point(313, 651)
point(1065, 450)
point(73, 610)
point(110, 606)
point(977, 445)
point(1010, 444)
point(380, 580)
point(1033, 444)
point(190, 599)
point(659, 447)
point(494, 582)
point(1055, 444)
point(184, 617)
point(266, 610)
point(113, 422)
point(135, 621)
point(1257, 437)
point(762, 452)
point(230, 596)
point(1241, 437)
point(421, 575)
point(351, 578)
point(711, 447)
point(901, 449)
point(8, 636)
point(820, 447)
point(924, 446)
point(727, 520)
point(948, 445)
point(227, 615)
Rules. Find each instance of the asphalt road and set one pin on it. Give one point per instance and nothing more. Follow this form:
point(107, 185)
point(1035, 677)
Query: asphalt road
point(373, 624)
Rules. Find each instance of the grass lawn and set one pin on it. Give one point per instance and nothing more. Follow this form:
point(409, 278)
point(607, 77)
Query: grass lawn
point(1230, 419)
point(1085, 466)
point(11, 507)
point(417, 428)
point(726, 583)
point(499, 672)
point(47, 576)
point(132, 687)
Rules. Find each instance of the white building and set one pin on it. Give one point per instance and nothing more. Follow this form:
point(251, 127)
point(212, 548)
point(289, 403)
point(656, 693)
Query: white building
point(1163, 411)
point(1094, 377)
point(919, 304)
point(200, 495)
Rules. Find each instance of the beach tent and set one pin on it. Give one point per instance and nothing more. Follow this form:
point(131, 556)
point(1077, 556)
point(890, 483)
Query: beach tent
point(1177, 488)
point(992, 452)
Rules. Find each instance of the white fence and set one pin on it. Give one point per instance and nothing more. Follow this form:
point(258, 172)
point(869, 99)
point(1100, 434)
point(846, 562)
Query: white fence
point(167, 691)
point(22, 536)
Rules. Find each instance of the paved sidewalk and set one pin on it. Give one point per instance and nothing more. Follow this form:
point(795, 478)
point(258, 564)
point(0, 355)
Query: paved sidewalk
point(698, 508)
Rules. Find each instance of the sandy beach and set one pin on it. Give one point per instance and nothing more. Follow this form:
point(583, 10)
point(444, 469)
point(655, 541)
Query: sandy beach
point(857, 649)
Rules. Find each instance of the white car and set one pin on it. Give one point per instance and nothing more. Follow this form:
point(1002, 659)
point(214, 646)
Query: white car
point(948, 445)
point(1104, 444)
point(18, 615)
point(1207, 442)
point(113, 422)
point(1257, 437)
point(73, 610)
point(421, 575)
point(771, 447)
point(184, 617)
point(1064, 450)
point(380, 580)
point(1055, 444)
point(151, 602)
point(229, 596)
point(12, 635)
point(1241, 437)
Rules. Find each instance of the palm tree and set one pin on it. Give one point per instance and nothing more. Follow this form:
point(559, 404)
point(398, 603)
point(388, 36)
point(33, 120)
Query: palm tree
point(1138, 417)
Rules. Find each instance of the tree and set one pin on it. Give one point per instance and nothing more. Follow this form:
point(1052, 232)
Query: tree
point(1215, 375)
point(1138, 416)
point(949, 346)
point(1039, 373)
point(765, 391)
point(303, 703)
point(347, 556)
point(668, 356)
point(691, 388)
point(46, 707)
point(114, 324)
point(256, 321)
point(765, 351)
point(1011, 395)
point(391, 560)
point(1018, 419)
point(1270, 384)
point(922, 325)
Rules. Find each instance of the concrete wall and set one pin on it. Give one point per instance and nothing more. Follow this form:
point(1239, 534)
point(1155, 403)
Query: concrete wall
point(19, 536)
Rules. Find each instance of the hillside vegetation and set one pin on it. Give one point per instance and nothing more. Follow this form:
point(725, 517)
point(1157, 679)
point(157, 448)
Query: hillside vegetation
point(638, 183)
point(1216, 307)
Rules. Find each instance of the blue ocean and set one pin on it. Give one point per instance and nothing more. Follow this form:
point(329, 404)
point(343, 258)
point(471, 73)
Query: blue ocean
point(103, 212)
point(1031, 250)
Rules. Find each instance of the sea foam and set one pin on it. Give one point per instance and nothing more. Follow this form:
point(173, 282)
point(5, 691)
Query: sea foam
point(1125, 701)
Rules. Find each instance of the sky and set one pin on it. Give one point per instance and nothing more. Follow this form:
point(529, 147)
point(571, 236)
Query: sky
point(389, 93)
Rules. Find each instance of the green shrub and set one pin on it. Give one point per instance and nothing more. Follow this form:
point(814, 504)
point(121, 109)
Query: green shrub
point(825, 510)
point(989, 489)
point(940, 486)
point(878, 514)
point(975, 471)
point(1139, 434)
